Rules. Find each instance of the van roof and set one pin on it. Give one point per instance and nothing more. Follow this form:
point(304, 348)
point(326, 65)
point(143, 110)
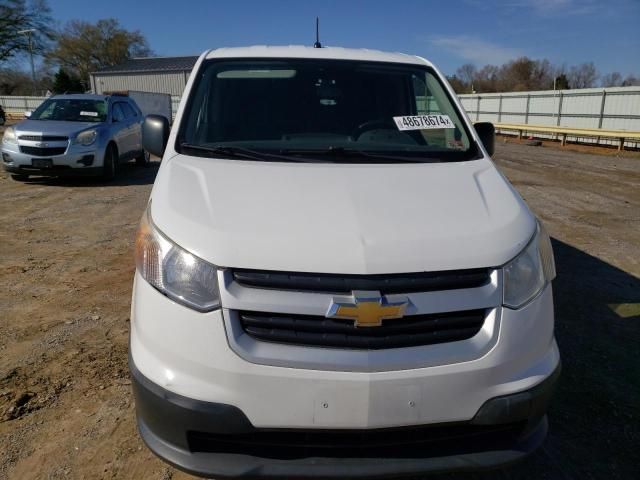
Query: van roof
point(300, 51)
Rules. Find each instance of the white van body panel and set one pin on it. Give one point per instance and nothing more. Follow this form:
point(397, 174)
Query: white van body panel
point(283, 218)
point(341, 218)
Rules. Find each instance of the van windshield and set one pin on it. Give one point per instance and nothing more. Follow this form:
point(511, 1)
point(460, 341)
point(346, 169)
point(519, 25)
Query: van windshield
point(320, 107)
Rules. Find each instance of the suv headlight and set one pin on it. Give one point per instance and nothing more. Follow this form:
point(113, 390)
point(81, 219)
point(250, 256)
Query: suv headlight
point(9, 136)
point(175, 272)
point(86, 138)
point(527, 274)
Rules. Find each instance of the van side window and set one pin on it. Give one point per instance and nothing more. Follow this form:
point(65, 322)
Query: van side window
point(428, 102)
point(425, 102)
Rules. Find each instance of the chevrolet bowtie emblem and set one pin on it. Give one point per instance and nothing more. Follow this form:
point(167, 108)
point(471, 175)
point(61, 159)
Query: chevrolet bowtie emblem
point(366, 309)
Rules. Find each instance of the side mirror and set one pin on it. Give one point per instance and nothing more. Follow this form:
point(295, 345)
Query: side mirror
point(155, 134)
point(27, 114)
point(487, 133)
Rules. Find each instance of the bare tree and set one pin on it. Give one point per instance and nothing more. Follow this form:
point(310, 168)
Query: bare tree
point(458, 85)
point(14, 81)
point(613, 79)
point(583, 76)
point(631, 81)
point(467, 73)
point(525, 74)
point(488, 79)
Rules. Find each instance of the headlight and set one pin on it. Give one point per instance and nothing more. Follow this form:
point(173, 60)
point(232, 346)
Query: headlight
point(175, 272)
point(527, 274)
point(9, 136)
point(86, 138)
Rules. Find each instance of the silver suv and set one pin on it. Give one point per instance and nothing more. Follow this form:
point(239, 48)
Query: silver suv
point(75, 135)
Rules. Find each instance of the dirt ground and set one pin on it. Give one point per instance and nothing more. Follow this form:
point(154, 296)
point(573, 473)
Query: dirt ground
point(66, 267)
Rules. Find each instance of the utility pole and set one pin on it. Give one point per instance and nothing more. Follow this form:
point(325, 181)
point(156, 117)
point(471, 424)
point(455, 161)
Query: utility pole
point(33, 69)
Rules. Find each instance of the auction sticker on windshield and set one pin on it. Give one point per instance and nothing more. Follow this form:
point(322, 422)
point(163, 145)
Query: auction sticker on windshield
point(88, 114)
point(423, 122)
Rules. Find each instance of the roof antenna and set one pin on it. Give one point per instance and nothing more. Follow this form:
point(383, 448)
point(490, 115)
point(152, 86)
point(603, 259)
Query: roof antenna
point(317, 44)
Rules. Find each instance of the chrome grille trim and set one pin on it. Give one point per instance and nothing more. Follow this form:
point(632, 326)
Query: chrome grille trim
point(238, 298)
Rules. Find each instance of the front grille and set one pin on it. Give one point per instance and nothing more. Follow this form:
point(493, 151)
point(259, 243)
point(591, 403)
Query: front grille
point(345, 284)
point(44, 138)
point(410, 331)
point(407, 442)
point(42, 152)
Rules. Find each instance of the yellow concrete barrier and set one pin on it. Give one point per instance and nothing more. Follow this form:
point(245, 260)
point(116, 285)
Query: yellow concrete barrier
point(620, 135)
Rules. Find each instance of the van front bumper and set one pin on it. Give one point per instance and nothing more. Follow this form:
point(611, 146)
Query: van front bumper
point(208, 410)
point(214, 439)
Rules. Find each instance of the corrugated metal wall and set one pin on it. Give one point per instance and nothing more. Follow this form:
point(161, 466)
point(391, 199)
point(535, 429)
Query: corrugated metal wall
point(172, 83)
point(608, 108)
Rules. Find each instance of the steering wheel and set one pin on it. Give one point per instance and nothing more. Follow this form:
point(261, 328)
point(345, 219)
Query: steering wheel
point(372, 125)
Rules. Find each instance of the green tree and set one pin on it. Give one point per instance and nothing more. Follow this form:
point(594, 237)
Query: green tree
point(63, 82)
point(562, 82)
point(84, 47)
point(20, 15)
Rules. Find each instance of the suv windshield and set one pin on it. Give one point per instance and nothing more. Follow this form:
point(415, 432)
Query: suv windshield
point(71, 110)
point(323, 107)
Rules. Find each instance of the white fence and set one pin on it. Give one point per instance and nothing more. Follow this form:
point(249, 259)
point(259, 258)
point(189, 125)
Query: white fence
point(607, 108)
point(20, 104)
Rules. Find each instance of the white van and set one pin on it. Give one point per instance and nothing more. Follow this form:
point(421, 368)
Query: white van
point(333, 279)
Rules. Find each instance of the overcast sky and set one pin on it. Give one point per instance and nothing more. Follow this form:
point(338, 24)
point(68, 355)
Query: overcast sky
point(447, 32)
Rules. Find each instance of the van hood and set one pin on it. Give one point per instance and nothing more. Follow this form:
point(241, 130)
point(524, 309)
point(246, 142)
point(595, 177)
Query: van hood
point(52, 127)
point(341, 218)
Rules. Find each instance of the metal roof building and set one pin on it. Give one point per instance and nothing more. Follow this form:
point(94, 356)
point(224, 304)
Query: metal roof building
point(152, 74)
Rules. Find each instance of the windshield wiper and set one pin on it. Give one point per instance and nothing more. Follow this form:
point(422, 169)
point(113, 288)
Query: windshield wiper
point(353, 153)
point(241, 152)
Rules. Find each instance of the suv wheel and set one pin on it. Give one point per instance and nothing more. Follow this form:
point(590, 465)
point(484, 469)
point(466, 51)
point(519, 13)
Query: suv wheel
point(110, 166)
point(143, 159)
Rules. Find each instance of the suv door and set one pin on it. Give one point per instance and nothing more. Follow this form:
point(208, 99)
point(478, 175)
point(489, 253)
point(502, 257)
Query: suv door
point(134, 120)
point(120, 130)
